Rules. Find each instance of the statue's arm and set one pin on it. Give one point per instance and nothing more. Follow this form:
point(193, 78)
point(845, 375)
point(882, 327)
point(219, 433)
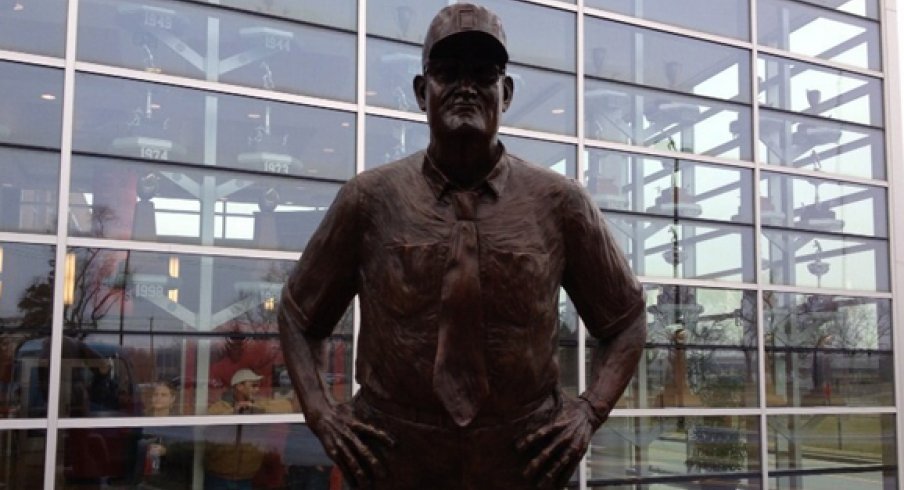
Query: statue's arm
point(608, 298)
point(314, 298)
point(610, 301)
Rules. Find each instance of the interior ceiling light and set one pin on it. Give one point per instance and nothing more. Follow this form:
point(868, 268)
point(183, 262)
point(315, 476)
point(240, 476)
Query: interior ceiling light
point(48, 96)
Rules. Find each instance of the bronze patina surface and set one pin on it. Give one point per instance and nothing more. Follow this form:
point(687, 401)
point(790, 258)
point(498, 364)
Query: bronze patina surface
point(457, 254)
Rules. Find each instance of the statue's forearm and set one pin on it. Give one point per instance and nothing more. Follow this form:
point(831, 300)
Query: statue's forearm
point(614, 363)
point(300, 354)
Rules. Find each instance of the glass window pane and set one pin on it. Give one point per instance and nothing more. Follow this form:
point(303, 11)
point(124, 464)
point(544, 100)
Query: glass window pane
point(720, 451)
point(796, 258)
point(684, 248)
point(34, 27)
point(191, 321)
point(23, 452)
point(802, 29)
point(258, 456)
point(31, 109)
point(669, 187)
point(29, 184)
point(558, 157)
point(865, 8)
point(828, 350)
point(166, 123)
point(701, 350)
point(819, 91)
point(801, 443)
point(391, 68)
point(543, 101)
point(536, 35)
point(218, 45)
point(389, 139)
point(568, 345)
point(405, 20)
point(646, 57)
point(26, 310)
point(333, 13)
point(822, 205)
point(726, 17)
point(821, 144)
point(126, 200)
point(648, 118)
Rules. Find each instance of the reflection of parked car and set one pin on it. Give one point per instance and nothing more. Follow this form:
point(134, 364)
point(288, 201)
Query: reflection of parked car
point(96, 381)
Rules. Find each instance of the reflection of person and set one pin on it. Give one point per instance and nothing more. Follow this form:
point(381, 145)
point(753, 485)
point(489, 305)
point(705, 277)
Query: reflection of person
point(457, 255)
point(166, 459)
point(231, 462)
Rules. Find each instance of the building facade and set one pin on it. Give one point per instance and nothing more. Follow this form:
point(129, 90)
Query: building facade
point(163, 163)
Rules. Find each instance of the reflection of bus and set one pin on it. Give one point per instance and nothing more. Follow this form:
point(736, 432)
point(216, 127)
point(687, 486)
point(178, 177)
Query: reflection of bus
point(96, 381)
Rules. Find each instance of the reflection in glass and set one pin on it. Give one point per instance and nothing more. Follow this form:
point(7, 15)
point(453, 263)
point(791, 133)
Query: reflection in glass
point(822, 205)
point(403, 20)
point(818, 91)
point(820, 144)
point(670, 187)
point(126, 200)
point(391, 67)
point(26, 310)
point(642, 56)
point(856, 450)
point(387, 139)
point(122, 372)
point(543, 101)
point(558, 157)
point(642, 117)
point(719, 451)
point(536, 35)
point(802, 29)
point(797, 258)
point(33, 27)
point(684, 248)
point(865, 8)
point(828, 350)
point(700, 352)
point(23, 452)
point(726, 17)
point(29, 184)
point(266, 454)
point(218, 45)
point(31, 109)
point(165, 123)
point(568, 345)
point(333, 13)
point(189, 320)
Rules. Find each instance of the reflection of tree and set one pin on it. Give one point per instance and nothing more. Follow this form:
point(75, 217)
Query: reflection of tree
point(93, 295)
point(36, 303)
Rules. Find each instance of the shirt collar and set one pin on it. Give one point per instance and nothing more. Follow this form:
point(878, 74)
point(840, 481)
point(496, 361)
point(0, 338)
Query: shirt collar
point(494, 181)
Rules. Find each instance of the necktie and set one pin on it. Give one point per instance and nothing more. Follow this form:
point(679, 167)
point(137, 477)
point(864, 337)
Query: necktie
point(459, 373)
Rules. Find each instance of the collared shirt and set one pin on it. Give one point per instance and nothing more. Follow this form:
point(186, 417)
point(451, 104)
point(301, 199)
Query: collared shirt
point(386, 239)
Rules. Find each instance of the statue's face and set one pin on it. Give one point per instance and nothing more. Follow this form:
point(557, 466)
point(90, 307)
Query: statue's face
point(463, 95)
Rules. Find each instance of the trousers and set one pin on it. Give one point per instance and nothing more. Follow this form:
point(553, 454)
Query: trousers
point(447, 457)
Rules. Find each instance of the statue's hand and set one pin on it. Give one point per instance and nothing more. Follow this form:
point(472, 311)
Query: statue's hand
point(343, 435)
point(556, 448)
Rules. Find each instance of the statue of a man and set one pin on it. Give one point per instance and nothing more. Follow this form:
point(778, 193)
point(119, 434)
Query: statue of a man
point(457, 254)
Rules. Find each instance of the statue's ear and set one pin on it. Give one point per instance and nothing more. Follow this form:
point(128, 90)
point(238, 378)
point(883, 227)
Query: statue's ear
point(420, 91)
point(508, 91)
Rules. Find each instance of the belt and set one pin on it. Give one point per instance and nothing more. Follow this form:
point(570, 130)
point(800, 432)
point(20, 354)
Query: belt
point(406, 413)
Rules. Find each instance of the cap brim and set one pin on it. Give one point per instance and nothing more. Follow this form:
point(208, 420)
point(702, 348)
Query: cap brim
point(477, 44)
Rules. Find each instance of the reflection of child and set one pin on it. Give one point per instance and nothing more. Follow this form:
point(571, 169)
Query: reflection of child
point(162, 402)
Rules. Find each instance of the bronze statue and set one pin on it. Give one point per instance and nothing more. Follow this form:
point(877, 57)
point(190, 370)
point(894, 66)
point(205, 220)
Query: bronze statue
point(457, 254)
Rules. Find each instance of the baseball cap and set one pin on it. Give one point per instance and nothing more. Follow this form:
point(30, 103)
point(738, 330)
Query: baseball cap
point(243, 375)
point(462, 20)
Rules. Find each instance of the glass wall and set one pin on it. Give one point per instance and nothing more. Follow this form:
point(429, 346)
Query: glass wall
point(160, 177)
